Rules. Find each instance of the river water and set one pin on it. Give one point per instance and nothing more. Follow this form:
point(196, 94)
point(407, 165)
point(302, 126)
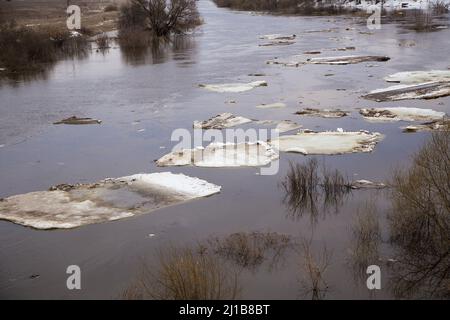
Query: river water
point(142, 99)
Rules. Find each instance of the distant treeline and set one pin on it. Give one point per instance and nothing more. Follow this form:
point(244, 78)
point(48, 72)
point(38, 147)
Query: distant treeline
point(284, 6)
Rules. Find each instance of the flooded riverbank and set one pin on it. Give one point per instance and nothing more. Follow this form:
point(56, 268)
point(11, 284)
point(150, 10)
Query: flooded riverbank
point(143, 97)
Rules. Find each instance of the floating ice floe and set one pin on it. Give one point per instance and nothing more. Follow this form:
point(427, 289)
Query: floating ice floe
point(248, 154)
point(70, 206)
point(294, 61)
point(281, 125)
point(278, 36)
point(329, 143)
point(287, 125)
point(436, 125)
point(221, 121)
point(75, 120)
point(427, 90)
point(276, 105)
point(401, 114)
point(324, 113)
point(367, 184)
point(234, 87)
point(277, 43)
point(345, 49)
point(419, 76)
point(346, 59)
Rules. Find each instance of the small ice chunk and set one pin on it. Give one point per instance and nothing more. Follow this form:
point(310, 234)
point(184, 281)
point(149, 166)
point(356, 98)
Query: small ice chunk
point(287, 125)
point(367, 184)
point(324, 113)
point(221, 121)
point(427, 90)
point(401, 114)
point(411, 77)
point(234, 87)
point(278, 36)
point(275, 105)
point(346, 59)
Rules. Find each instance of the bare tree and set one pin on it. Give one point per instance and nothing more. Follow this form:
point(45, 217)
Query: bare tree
point(169, 16)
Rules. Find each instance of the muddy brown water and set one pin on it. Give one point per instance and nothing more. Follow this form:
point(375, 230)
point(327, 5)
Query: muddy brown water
point(158, 91)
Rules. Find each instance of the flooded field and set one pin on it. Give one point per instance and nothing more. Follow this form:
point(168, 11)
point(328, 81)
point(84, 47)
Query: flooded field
point(141, 97)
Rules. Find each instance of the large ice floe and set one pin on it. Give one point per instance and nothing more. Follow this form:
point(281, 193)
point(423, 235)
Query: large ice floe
point(329, 142)
point(324, 113)
point(217, 154)
point(427, 90)
point(347, 59)
point(221, 121)
point(401, 114)
point(411, 77)
point(70, 206)
point(233, 87)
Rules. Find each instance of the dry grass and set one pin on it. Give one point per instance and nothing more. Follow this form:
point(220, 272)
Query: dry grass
point(52, 13)
point(313, 269)
point(306, 185)
point(420, 222)
point(185, 274)
point(250, 250)
point(366, 238)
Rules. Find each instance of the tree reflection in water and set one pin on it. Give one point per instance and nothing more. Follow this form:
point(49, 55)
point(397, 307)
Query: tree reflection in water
point(420, 223)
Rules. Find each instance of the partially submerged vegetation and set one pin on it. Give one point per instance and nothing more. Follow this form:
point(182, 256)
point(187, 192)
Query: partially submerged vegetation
point(420, 222)
point(313, 268)
point(250, 249)
point(185, 274)
point(31, 52)
point(366, 239)
point(307, 185)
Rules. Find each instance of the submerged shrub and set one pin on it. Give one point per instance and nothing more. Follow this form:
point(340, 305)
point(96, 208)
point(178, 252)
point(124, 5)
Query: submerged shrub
point(249, 250)
point(161, 17)
point(26, 50)
point(184, 274)
point(307, 184)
